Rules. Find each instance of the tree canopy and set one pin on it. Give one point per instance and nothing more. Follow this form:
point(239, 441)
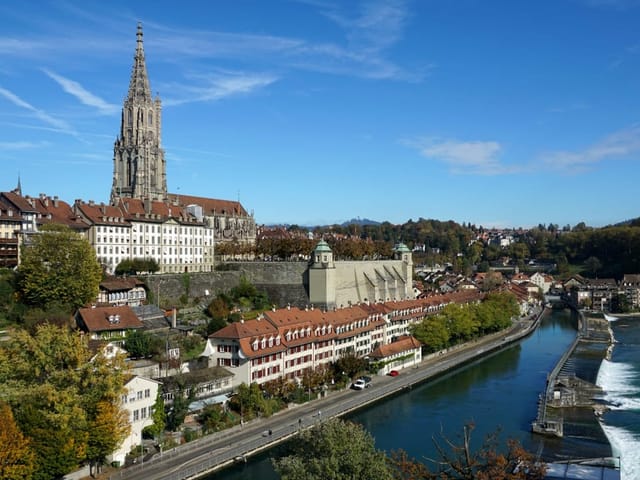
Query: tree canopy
point(59, 268)
point(65, 401)
point(17, 460)
point(334, 449)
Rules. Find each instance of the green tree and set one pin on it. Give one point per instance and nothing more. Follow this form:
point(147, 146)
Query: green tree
point(159, 417)
point(337, 450)
point(17, 460)
point(58, 391)
point(432, 332)
point(140, 344)
point(107, 429)
point(58, 268)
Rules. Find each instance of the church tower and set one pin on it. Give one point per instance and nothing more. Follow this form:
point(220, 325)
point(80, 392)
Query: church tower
point(139, 167)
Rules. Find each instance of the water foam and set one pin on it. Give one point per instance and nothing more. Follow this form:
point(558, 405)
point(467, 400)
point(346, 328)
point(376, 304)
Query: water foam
point(626, 447)
point(619, 381)
point(620, 384)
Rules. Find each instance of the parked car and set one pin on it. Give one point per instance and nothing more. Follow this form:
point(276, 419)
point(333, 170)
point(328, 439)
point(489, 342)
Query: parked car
point(394, 373)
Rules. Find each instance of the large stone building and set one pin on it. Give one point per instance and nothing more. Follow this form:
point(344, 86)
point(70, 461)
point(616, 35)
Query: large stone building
point(343, 283)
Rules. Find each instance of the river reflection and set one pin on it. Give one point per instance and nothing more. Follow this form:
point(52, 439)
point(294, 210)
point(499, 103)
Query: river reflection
point(498, 392)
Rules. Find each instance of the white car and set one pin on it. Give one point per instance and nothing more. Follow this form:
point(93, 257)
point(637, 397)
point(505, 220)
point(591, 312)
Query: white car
point(358, 384)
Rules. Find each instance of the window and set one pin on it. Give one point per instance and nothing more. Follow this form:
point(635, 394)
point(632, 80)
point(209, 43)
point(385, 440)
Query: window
point(139, 395)
point(147, 393)
point(136, 415)
point(143, 412)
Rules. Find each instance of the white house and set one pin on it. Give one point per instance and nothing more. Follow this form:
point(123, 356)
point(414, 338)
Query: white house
point(138, 401)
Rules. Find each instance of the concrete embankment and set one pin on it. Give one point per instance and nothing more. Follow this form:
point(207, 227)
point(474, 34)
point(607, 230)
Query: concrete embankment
point(216, 451)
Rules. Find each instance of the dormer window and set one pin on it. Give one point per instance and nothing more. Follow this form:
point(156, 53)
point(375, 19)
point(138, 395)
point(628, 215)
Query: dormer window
point(254, 345)
point(278, 340)
point(263, 343)
point(270, 341)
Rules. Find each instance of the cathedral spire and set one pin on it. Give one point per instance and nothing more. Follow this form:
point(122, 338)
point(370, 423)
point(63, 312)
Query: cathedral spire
point(139, 168)
point(139, 84)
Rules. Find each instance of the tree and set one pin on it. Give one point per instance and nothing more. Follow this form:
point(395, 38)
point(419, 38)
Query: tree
point(432, 332)
point(17, 460)
point(141, 344)
point(457, 461)
point(334, 449)
point(58, 268)
point(107, 429)
point(159, 417)
point(592, 265)
point(60, 395)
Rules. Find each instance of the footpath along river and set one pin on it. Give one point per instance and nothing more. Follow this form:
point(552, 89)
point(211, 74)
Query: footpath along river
point(498, 391)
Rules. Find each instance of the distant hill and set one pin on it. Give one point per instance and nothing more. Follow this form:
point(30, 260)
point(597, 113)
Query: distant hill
point(634, 222)
point(359, 221)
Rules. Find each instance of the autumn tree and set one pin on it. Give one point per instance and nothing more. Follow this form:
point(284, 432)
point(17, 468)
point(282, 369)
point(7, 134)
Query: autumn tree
point(59, 268)
point(62, 397)
point(17, 460)
point(458, 461)
point(334, 449)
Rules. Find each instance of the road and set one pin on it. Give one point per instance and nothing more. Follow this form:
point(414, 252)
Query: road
point(220, 449)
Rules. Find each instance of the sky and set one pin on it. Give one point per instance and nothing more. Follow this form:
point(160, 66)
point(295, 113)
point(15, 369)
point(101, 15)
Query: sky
point(500, 113)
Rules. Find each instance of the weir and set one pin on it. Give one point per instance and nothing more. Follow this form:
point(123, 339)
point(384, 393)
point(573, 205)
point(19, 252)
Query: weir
point(564, 388)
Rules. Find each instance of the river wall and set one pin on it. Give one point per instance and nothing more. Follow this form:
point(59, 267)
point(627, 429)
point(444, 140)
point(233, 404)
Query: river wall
point(284, 282)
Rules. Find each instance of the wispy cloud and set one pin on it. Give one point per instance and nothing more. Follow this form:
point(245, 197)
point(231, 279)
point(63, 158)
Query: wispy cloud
point(475, 157)
point(617, 146)
point(368, 35)
point(22, 145)
point(218, 85)
point(78, 91)
point(60, 125)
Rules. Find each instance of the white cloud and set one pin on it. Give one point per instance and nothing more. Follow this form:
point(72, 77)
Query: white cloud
point(60, 125)
point(87, 98)
point(618, 145)
point(475, 157)
point(218, 85)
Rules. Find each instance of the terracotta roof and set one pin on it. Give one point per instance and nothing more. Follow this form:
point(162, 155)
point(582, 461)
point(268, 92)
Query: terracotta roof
point(100, 319)
point(114, 284)
point(402, 344)
point(210, 205)
point(18, 201)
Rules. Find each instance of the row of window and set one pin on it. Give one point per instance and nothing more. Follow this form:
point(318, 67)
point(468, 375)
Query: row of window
point(265, 372)
point(138, 395)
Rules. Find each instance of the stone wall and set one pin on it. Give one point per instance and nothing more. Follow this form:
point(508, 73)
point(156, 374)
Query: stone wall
point(284, 282)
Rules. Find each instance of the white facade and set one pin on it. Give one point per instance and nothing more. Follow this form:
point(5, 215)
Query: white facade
point(138, 401)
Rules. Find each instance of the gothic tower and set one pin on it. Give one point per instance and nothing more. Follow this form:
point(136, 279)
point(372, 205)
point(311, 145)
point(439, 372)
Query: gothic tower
point(139, 167)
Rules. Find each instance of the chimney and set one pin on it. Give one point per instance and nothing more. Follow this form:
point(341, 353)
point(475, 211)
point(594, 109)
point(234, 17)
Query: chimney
point(55, 201)
point(174, 318)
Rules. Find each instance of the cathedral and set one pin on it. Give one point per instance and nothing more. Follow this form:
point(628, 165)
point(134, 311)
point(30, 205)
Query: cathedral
point(142, 219)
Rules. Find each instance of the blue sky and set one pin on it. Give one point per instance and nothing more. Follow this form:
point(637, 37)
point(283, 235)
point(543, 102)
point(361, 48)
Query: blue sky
point(496, 112)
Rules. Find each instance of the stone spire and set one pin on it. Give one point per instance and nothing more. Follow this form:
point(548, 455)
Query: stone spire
point(139, 85)
point(139, 167)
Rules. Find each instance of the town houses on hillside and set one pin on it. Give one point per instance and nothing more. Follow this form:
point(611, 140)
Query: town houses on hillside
point(285, 343)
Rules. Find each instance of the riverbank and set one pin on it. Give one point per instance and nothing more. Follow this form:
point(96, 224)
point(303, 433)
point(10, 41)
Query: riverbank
point(216, 451)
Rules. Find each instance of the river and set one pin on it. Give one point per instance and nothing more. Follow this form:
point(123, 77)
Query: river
point(497, 392)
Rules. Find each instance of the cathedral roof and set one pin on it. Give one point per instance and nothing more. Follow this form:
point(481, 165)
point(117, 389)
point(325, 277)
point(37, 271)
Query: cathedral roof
point(210, 205)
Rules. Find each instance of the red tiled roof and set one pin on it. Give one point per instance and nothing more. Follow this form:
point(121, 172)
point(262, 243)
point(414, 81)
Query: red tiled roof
point(114, 284)
point(210, 205)
point(402, 344)
point(100, 319)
